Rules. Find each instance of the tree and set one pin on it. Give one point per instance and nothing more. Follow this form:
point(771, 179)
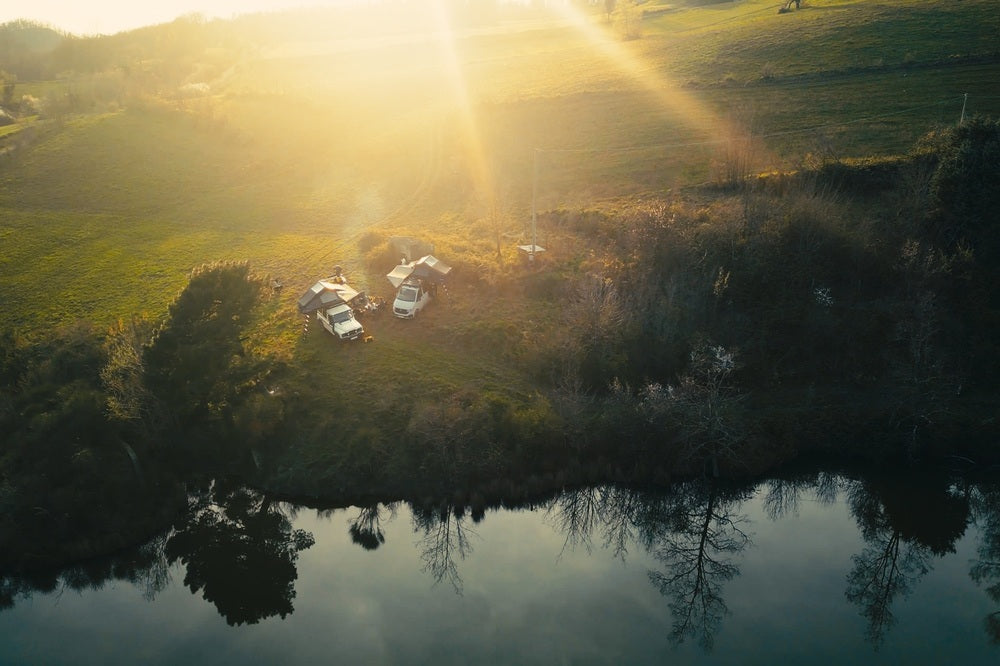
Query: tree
point(609, 8)
point(707, 403)
point(494, 205)
point(196, 362)
point(8, 81)
point(123, 373)
point(596, 316)
point(629, 19)
point(963, 226)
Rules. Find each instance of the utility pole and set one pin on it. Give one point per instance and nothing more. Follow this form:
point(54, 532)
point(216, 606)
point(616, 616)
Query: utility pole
point(533, 248)
point(965, 99)
point(534, 214)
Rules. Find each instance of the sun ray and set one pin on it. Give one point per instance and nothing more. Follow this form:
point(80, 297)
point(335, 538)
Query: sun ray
point(475, 153)
point(652, 79)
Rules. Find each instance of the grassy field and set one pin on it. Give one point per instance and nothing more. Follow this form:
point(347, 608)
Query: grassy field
point(301, 148)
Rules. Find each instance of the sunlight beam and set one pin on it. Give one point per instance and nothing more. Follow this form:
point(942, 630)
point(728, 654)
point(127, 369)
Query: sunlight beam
point(482, 174)
point(667, 92)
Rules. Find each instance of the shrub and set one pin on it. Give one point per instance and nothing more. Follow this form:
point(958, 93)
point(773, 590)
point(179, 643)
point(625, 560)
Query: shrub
point(964, 187)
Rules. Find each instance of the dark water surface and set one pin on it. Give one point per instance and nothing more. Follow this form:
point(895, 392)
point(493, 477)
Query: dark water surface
point(820, 569)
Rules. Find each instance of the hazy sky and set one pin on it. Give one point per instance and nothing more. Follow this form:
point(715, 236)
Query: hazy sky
point(110, 16)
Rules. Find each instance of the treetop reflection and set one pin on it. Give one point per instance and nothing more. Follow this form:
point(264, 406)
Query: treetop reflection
point(240, 550)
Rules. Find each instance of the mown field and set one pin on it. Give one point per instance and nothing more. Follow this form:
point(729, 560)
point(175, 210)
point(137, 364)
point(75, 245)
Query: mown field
point(291, 154)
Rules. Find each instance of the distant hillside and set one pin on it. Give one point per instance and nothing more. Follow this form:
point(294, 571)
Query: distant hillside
point(29, 36)
point(21, 42)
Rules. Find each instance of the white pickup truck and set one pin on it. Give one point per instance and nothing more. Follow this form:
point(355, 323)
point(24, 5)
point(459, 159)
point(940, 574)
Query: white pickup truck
point(340, 321)
point(411, 298)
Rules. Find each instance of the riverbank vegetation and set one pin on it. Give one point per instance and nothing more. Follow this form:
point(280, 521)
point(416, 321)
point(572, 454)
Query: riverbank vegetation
point(705, 306)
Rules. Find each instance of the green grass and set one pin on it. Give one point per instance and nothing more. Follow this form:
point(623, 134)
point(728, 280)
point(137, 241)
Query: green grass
point(9, 129)
point(824, 36)
point(297, 151)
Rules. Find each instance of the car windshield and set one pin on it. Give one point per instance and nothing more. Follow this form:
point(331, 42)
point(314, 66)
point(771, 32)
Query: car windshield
point(341, 317)
point(408, 294)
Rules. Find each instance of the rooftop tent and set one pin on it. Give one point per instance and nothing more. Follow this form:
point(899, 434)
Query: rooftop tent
point(325, 294)
point(427, 267)
point(399, 273)
point(431, 268)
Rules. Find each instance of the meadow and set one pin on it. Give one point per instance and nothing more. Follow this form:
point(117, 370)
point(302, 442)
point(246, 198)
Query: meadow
point(291, 157)
point(301, 151)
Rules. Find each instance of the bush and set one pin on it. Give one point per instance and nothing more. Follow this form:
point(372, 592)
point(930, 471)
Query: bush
point(964, 188)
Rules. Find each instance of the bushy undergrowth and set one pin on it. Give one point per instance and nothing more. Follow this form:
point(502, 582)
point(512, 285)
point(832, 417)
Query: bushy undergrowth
point(861, 317)
point(102, 429)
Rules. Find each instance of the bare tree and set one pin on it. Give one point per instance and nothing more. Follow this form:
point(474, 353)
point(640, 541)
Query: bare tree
point(629, 19)
point(737, 157)
point(445, 541)
point(495, 211)
point(707, 400)
point(697, 555)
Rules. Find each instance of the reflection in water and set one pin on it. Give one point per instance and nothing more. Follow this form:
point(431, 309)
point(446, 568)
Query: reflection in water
point(693, 531)
point(366, 528)
point(445, 540)
point(697, 555)
point(904, 525)
point(885, 569)
point(240, 551)
point(615, 513)
point(782, 495)
point(986, 569)
point(145, 567)
point(238, 547)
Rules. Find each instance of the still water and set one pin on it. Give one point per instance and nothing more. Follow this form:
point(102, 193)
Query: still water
point(816, 569)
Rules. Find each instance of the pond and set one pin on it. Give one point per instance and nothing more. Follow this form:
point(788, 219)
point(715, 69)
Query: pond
point(819, 568)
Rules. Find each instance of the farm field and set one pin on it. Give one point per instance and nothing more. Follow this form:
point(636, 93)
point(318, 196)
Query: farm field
point(292, 158)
